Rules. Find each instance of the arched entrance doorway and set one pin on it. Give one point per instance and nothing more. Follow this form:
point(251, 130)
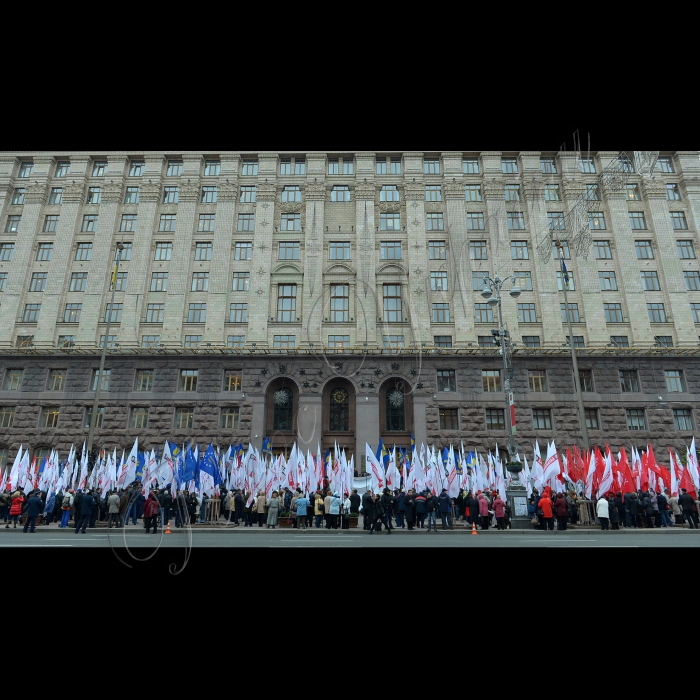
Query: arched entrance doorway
point(281, 408)
point(396, 412)
point(339, 410)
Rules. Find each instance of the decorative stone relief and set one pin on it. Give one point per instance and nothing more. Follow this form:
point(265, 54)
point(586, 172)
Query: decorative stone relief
point(130, 209)
point(208, 208)
point(414, 190)
point(246, 208)
point(315, 191)
point(150, 192)
point(73, 193)
point(227, 192)
point(266, 191)
point(434, 206)
point(290, 207)
point(493, 190)
point(454, 189)
point(365, 190)
point(653, 189)
point(189, 192)
point(35, 194)
point(390, 207)
point(112, 193)
point(168, 209)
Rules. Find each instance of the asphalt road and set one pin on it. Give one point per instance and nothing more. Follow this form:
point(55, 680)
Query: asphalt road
point(135, 537)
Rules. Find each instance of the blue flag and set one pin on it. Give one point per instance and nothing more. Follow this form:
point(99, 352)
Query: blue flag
point(210, 465)
point(190, 466)
point(565, 272)
point(413, 440)
point(267, 446)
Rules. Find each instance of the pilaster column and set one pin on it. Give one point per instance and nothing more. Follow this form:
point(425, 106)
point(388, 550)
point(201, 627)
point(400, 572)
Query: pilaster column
point(261, 264)
point(418, 287)
point(97, 292)
point(137, 294)
point(673, 289)
point(220, 280)
point(314, 300)
point(458, 268)
point(182, 264)
point(366, 302)
point(627, 270)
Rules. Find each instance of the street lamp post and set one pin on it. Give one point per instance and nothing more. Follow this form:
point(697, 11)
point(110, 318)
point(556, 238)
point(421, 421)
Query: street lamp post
point(95, 404)
point(577, 379)
point(515, 492)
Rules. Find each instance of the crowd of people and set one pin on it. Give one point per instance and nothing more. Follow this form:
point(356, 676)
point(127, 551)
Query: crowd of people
point(324, 508)
point(641, 509)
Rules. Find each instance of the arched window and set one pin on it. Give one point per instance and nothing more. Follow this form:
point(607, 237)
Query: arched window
point(283, 409)
point(395, 410)
point(339, 410)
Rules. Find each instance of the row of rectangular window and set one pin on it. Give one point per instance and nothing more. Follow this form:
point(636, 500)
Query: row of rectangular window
point(297, 166)
point(389, 250)
point(229, 418)
point(446, 379)
point(542, 419)
point(341, 193)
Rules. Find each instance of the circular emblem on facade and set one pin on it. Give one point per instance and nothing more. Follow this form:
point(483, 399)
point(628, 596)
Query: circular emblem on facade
point(170, 209)
point(129, 209)
point(396, 398)
point(281, 397)
point(340, 396)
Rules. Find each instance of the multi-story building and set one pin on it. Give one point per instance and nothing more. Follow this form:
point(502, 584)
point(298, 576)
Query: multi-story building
point(335, 297)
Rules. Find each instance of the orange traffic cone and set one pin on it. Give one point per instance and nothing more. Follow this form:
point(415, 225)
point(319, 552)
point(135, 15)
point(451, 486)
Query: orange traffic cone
point(167, 528)
point(474, 532)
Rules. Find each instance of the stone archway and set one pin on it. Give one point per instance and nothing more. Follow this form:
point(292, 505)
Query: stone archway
point(281, 410)
point(396, 412)
point(339, 416)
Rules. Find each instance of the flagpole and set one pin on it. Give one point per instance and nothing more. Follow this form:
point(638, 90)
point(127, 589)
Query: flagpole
point(95, 404)
point(577, 379)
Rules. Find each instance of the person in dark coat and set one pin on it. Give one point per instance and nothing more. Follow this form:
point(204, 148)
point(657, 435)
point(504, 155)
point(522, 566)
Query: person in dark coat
point(409, 502)
point(446, 510)
point(86, 504)
point(95, 508)
point(635, 516)
point(77, 500)
point(367, 508)
point(239, 505)
point(613, 513)
point(192, 508)
point(646, 509)
point(388, 501)
point(58, 501)
point(686, 502)
point(420, 503)
point(473, 505)
point(35, 507)
point(355, 502)
point(662, 502)
point(621, 513)
point(401, 509)
point(561, 508)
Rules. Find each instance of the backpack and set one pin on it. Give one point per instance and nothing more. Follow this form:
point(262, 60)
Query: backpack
point(66, 502)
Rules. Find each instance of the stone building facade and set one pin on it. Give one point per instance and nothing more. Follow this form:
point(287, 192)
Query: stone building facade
point(335, 297)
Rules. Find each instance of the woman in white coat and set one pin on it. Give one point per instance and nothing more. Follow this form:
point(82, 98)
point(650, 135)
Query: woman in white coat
point(603, 512)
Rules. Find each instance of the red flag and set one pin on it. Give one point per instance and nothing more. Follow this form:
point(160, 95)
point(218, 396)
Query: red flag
point(628, 485)
point(644, 476)
point(687, 483)
point(578, 470)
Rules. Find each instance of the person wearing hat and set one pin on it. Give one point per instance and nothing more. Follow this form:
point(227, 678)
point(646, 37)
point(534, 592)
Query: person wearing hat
point(685, 501)
point(35, 507)
point(113, 510)
point(421, 504)
point(388, 501)
point(301, 503)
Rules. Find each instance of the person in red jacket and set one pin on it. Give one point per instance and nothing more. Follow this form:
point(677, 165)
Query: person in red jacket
point(16, 508)
point(151, 510)
point(499, 508)
point(561, 509)
point(547, 516)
